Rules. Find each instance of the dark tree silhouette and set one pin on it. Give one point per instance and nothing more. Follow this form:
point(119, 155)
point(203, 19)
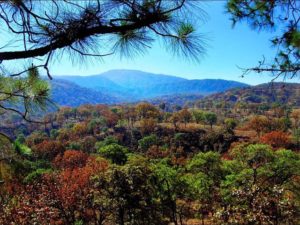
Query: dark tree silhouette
point(280, 16)
point(96, 28)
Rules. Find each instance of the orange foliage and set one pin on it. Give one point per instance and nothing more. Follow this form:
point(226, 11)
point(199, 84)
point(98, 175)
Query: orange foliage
point(74, 183)
point(258, 124)
point(71, 159)
point(156, 152)
point(48, 149)
point(80, 129)
point(33, 204)
point(146, 110)
point(276, 139)
point(147, 125)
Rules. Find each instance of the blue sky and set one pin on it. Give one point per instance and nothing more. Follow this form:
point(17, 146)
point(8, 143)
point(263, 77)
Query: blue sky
point(227, 49)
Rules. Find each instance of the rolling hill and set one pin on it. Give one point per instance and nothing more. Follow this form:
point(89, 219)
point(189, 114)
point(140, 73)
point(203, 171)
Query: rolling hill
point(70, 94)
point(133, 85)
point(267, 94)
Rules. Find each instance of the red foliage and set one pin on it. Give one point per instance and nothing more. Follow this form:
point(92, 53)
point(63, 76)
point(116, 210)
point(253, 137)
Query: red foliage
point(74, 184)
point(33, 204)
point(277, 139)
point(70, 159)
point(155, 152)
point(56, 198)
point(48, 149)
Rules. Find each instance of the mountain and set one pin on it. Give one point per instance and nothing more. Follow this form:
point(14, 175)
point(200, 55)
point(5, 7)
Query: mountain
point(134, 85)
point(133, 79)
point(202, 87)
point(264, 94)
point(70, 94)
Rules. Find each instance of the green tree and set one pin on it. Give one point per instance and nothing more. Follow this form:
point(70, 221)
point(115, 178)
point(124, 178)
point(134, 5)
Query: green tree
point(296, 136)
point(170, 187)
point(115, 152)
point(20, 138)
point(127, 193)
point(210, 118)
point(146, 142)
point(261, 186)
point(230, 124)
point(54, 133)
point(204, 178)
point(198, 115)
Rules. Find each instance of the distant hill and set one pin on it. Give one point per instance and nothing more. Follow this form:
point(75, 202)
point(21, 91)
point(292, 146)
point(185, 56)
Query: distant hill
point(70, 94)
point(176, 100)
point(282, 93)
point(133, 85)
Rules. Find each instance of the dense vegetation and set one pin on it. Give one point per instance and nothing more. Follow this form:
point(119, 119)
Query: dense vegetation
point(139, 164)
point(227, 159)
point(260, 96)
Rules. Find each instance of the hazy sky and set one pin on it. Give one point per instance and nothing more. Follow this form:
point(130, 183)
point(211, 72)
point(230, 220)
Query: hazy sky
point(227, 49)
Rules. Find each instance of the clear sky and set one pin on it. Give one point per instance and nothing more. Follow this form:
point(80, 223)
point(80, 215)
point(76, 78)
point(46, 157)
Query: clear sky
point(227, 49)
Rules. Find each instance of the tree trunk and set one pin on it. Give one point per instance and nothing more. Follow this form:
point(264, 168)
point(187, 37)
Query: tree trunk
point(121, 216)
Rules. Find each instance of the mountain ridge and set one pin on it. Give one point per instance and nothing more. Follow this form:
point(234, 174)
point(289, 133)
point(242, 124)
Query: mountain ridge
point(262, 94)
point(135, 85)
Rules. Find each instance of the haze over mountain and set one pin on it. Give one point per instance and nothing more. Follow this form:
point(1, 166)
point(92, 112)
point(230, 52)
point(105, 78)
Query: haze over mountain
point(134, 85)
point(70, 94)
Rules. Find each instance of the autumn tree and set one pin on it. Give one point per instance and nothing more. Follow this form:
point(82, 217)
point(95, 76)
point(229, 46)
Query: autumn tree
point(277, 139)
point(48, 149)
point(146, 111)
point(64, 113)
point(148, 125)
point(75, 189)
point(295, 115)
point(258, 124)
point(70, 159)
point(34, 203)
point(80, 129)
point(185, 116)
point(175, 119)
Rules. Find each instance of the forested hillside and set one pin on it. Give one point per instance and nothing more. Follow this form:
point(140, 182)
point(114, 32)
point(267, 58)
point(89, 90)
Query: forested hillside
point(128, 147)
point(138, 164)
point(263, 95)
point(66, 93)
